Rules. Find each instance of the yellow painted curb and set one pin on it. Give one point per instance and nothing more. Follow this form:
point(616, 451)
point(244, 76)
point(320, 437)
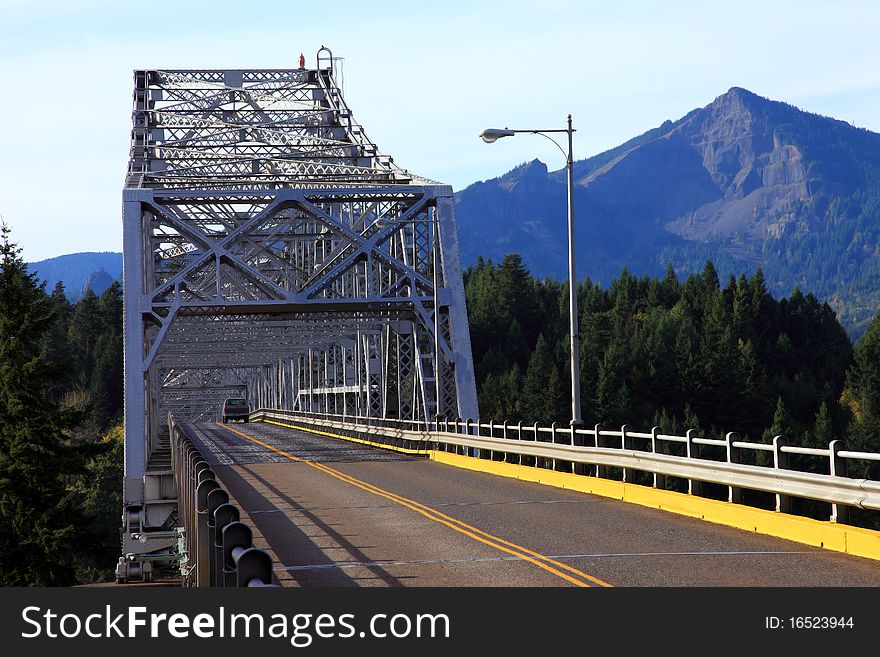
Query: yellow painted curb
point(841, 538)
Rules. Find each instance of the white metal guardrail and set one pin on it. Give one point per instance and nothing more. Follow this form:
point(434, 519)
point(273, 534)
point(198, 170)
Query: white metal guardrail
point(593, 451)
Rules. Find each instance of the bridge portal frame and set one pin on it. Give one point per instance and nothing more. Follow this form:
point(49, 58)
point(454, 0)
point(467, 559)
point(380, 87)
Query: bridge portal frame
point(271, 249)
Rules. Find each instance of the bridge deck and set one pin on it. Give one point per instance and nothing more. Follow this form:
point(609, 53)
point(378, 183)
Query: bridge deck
point(337, 514)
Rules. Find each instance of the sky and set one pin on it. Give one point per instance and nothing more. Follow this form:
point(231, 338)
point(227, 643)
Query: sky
point(423, 78)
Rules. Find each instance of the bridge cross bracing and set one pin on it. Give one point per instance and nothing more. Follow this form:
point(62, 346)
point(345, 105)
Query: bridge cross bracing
point(271, 250)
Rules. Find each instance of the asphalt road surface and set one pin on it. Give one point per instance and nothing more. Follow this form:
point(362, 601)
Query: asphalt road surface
point(333, 513)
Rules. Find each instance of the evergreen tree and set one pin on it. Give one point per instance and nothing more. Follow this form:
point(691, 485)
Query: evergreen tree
point(541, 391)
point(781, 425)
point(85, 327)
point(106, 383)
point(612, 393)
point(863, 388)
point(99, 495)
point(38, 522)
point(823, 430)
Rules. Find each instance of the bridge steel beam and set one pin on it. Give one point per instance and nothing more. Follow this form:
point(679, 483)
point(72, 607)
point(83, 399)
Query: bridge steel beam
point(271, 250)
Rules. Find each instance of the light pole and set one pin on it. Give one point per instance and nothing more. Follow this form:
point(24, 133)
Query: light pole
point(491, 135)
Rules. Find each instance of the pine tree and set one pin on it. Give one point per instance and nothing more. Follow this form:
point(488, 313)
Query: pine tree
point(38, 522)
point(863, 388)
point(56, 344)
point(781, 425)
point(612, 393)
point(823, 431)
point(106, 384)
point(541, 393)
point(85, 328)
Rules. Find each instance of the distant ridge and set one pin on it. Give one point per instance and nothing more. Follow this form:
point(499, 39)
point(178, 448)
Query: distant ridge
point(80, 271)
point(747, 181)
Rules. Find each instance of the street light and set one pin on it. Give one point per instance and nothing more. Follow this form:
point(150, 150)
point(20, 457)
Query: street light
point(491, 135)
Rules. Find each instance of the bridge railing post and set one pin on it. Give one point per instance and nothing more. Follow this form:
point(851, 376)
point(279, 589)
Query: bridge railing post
point(695, 487)
point(202, 544)
point(253, 567)
point(625, 444)
point(838, 468)
point(216, 498)
point(234, 535)
point(781, 462)
point(599, 441)
point(578, 440)
point(517, 458)
point(659, 479)
point(224, 515)
point(734, 493)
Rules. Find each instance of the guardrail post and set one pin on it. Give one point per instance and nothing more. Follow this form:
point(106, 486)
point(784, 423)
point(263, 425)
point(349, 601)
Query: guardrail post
point(224, 515)
point(599, 441)
point(253, 566)
point(839, 512)
point(535, 438)
point(491, 453)
point(659, 479)
point(781, 462)
point(693, 452)
point(468, 451)
point(216, 498)
point(734, 493)
point(202, 546)
point(234, 535)
point(626, 443)
point(519, 458)
point(554, 440)
point(577, 439)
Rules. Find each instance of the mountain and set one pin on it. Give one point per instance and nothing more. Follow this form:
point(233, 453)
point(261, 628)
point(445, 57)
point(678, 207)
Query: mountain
point(745, 181)
point(80, 271)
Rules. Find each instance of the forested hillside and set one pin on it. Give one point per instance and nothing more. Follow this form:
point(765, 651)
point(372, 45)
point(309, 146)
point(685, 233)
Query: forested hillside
point(60, 437)
point(692, 354)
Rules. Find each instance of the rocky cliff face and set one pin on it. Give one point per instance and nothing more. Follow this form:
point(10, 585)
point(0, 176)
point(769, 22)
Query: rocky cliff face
point(745, 180)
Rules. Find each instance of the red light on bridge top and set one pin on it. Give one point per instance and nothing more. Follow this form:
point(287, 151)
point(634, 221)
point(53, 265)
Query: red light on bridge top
point(302, 61)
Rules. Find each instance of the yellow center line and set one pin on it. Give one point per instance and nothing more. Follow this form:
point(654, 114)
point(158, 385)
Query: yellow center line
point(477, 534)
point(402, 499)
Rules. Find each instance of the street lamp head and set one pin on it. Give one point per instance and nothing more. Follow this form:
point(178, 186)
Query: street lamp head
point(490, 135)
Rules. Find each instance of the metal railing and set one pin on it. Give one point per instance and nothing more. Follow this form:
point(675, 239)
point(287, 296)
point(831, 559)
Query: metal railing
point(216, 548)
point(624, 453)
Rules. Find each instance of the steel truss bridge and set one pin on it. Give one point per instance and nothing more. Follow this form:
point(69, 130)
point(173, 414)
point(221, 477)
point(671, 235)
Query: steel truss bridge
point(271, 250)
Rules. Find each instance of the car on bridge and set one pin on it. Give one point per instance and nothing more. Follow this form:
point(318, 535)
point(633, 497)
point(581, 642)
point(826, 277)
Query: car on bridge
point(235, 408)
